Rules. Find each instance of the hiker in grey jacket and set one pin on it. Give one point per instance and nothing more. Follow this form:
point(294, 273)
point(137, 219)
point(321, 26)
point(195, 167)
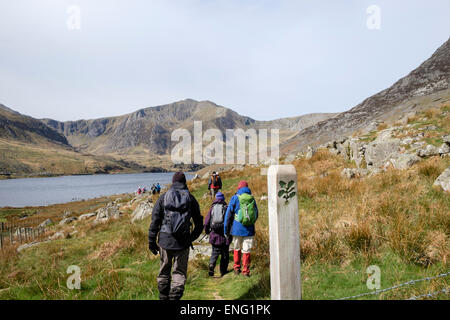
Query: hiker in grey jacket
point(171, 220)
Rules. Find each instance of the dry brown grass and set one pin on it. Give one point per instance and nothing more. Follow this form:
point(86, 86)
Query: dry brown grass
point(395, 210)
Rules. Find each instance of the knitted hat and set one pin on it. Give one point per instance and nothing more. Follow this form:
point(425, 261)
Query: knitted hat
point(242, 184)
point(179, 177)
point(220, 196)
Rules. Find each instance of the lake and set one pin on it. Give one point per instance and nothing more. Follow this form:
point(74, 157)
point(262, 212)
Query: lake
point(46, 191)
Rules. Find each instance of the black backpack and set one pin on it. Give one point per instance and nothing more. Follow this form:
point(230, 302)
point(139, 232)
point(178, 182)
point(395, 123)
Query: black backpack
point(218, 216)
point(177, 218)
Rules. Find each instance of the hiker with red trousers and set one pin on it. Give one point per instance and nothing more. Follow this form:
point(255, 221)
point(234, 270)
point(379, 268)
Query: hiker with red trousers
point(240, 219)
point(214, 227)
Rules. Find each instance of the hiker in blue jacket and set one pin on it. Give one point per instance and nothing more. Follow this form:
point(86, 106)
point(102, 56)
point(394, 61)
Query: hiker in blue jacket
point(243, 232)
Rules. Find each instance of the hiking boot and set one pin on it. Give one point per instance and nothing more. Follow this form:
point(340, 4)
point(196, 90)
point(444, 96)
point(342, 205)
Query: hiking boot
point(211, 271)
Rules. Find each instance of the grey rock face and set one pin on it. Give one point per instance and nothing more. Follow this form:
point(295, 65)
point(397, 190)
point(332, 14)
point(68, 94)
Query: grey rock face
point(443, 180)
point(404, 161)
point(444, 149)
point(87, 216)
point(67, 221)
point(111, 211)
point(142, 211)
point(431, 77)
point(428, 151)
point(378, 152)
point(46, 223)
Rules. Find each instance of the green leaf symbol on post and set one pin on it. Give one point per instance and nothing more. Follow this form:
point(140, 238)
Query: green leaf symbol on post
point(287, 190)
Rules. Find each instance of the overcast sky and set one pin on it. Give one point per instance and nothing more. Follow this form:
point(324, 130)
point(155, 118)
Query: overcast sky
point(262, 58)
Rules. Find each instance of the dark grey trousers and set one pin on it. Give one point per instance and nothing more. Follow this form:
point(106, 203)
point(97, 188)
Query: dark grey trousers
point(171, 282)
point(222, 251)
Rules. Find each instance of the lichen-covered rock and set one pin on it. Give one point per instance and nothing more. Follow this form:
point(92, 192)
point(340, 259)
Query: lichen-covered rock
point(45, 223)
point(67, 221)
point(111, 211)
point(443, 180)
point(379, 151)
point(87, 216)
point(142, 211)
point(428, 151)
point(404, 161)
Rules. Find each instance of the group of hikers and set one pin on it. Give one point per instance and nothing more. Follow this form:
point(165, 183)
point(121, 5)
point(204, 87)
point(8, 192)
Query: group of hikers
point(156, 188)
point(171, 236)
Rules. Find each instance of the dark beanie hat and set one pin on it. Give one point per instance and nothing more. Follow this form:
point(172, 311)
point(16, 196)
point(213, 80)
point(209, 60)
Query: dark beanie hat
point(179, 177)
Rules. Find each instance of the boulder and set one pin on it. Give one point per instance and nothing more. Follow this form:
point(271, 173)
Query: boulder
point(428, 151)
point(263, 198)
point(142, 211)
point(45, 223)
point(404, 161)
point(111, 211)
point(67, 221)
point(195, 177)
point(444, 149)
point(59, 235)
point(443, 180)
point(379, 151)
point(446, 139)
point(87, 216)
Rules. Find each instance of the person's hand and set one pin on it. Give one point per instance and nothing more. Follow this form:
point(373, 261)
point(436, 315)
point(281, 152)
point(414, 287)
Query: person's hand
point(153, 247)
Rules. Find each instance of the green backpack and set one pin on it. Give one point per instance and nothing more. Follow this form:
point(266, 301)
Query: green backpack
point(247, 210)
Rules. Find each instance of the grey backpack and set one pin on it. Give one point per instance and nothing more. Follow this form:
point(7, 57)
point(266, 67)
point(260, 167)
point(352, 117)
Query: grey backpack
point(218, 216)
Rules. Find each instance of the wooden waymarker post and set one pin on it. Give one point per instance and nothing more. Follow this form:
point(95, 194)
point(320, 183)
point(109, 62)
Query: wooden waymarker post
point(285, 281)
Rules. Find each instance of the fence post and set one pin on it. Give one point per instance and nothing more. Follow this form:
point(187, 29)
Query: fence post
point(1, 235)
point(285, 280)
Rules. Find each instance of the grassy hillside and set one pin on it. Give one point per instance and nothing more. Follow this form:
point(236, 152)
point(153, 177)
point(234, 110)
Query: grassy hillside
point(395, 219)
point(20, 159)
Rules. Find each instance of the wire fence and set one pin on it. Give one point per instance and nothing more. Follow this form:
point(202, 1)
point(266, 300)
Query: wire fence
point(15, 232)
point(403, 285)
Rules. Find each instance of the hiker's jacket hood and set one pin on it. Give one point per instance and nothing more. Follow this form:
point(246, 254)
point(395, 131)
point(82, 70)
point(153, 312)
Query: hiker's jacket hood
point(166, 240)
point(216, 237)
point(232, 226)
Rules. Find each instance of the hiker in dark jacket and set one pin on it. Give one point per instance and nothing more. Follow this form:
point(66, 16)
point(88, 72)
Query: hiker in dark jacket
point(214, 228)
point(214, 184)
point(242, 235)
point(176, 205)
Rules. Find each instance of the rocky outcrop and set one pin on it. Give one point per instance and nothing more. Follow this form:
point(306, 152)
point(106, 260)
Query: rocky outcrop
point(142, 211)
point(428, 151)
point(46, 223)
point(430, 78)
point(87, 216)
point(443, 180)
point(67, 221)
point(111, 211)
point(403, 161)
